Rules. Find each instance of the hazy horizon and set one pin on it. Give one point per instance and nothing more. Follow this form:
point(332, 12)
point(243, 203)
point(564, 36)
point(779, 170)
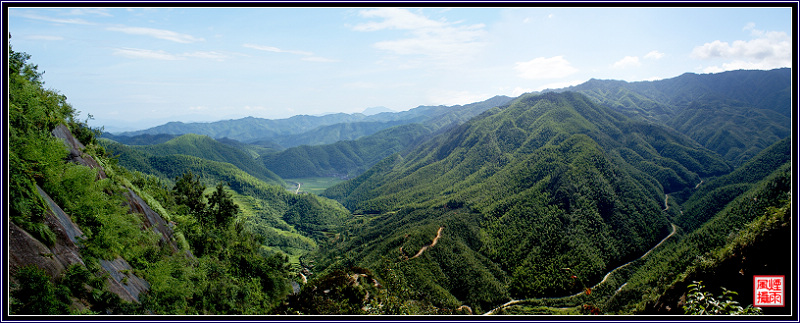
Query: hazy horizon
point(134, 68)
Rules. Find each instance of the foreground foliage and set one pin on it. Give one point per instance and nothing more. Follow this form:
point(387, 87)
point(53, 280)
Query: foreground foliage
point(700, 302)
point(221, 269)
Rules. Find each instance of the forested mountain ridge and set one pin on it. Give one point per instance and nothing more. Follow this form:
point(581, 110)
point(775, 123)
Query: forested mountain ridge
point(144, 157)
point(769, 90)
point(546, 182)
point(505, 136)
point(344, 159)
point(315, 130)
point(735, 113)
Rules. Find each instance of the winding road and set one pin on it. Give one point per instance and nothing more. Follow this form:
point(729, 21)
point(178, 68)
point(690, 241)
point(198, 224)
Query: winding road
point(425, 247)
point(698, 184)
point(518, 301)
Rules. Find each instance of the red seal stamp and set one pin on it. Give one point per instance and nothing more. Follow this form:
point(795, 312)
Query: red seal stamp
point(768, 291)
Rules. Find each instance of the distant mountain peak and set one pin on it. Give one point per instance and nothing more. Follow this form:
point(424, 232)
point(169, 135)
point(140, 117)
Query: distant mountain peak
point(375, 110)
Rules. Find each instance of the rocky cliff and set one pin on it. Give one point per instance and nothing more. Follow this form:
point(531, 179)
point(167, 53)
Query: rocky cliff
point(25, 249)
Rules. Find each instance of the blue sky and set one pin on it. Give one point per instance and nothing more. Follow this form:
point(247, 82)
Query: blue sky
point(133, 68)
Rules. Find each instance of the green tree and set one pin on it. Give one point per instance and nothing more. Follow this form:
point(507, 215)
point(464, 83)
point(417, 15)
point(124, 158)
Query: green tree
point(188, 191)
point(221, 208)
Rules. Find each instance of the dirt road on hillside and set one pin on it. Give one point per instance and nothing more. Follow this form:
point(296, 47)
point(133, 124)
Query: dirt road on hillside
point(425, 247)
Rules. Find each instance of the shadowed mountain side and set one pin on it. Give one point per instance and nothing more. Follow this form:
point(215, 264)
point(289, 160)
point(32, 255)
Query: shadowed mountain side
point(142, 157)
point(735, 113)
point(344, 159)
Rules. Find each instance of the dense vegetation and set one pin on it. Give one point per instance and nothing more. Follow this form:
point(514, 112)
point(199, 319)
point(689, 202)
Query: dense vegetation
point(197, 146)
point(713, 196)
point(344, 159)
point(454, 210)
point(269, 210)
point(740, 223)
point(735, 113)
point(552, 181)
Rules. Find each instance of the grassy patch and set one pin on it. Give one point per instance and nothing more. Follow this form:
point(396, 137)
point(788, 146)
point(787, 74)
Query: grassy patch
point(314, 185)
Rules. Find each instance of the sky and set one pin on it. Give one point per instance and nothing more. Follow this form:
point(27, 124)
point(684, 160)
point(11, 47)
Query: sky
point(136, 67)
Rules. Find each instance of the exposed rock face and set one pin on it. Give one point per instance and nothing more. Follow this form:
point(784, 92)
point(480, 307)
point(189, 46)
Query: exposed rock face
point(25, 250)
point(122, 281)
point(151, 219)
point(60, 222)
point(76, 154)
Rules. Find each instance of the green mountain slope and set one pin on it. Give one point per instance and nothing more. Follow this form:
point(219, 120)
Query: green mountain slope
point(735, 113)
point(711, 197)
point(278, 206)
point(198, 146)
point(145, 139)
point(735, 131)
point(749, 236)
point(350, 158)
point(548, 182)
point(344, 158)
point(713, 251)
point(334, 133)
point(501, 143)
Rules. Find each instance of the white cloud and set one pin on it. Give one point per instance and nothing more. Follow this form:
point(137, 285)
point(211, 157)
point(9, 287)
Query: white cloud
point(545, 68)
point(437, 39)
point(309, 55)
point(76, 21)
point(360, 85)
point(740, 65)
point(90, 11)
point(146, 54)
point(626, 62)
point(277, 50)
point(207, 55)
point(158, 33)
point(654, 55)
point(768, 50)
point(520, 91)
point(395, 18)
point(137, 53)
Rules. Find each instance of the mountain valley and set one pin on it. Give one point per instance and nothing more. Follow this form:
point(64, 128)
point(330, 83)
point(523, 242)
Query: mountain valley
point(608, 197)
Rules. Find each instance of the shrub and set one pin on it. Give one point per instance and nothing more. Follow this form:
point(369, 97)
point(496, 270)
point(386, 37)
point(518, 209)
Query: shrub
point(701, 302)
